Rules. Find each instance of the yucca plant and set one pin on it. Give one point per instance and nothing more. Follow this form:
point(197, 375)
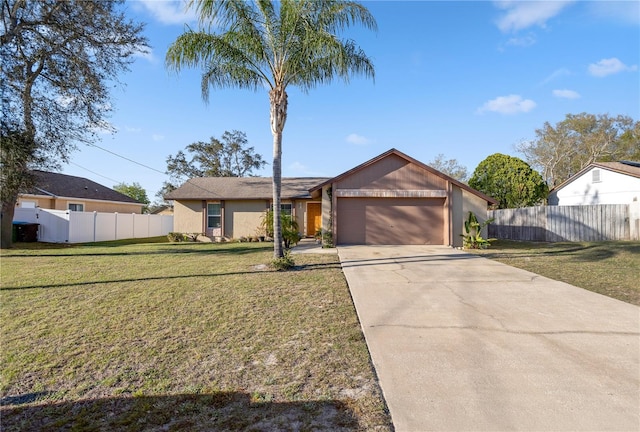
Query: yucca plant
point(472, 238)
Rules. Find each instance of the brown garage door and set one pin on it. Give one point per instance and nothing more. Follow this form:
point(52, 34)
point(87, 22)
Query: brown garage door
point(390, 221)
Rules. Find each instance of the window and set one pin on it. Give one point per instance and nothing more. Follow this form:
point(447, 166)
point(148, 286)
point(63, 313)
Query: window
point(595, 176)
point(28, 204)
point(214, 215)
point(76, 207)
point(285, 209)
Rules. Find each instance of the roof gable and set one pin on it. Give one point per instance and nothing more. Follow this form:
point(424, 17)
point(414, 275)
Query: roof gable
point(629, 168)
point(62, 185)
point(435, 177)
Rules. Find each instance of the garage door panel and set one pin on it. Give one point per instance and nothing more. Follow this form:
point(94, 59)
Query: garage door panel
point(391, 221)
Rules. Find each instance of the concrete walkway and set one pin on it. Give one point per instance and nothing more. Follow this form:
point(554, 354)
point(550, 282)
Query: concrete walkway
point(462, 343)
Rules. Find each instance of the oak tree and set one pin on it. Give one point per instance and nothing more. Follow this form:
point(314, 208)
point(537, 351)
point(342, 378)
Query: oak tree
point(59, 61)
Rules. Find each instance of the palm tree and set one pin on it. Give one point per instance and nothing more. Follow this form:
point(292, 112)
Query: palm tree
point(272, 45)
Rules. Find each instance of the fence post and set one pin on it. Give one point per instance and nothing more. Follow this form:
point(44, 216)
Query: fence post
point(95, 225)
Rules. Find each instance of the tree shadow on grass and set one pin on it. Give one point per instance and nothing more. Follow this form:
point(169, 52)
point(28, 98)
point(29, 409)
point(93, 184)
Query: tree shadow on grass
point(177, 248)
point(592, 252)
point(213, 411)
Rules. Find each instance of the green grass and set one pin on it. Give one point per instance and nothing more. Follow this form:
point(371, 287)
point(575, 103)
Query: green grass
point(130, 336)
point(609, 268)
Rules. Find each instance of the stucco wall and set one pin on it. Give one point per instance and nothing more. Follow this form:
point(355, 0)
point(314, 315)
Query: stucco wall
point(89, 205)
point(187, 216)
point(242, 218)
point(613, 188)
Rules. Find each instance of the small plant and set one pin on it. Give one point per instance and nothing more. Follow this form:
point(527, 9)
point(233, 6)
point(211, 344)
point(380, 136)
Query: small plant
point(290, 234)
point(284, 263)
point(327, 239)
point(175, 237)
point(472, 238)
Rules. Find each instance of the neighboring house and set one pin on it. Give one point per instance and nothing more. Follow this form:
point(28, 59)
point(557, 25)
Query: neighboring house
point(600, 183)
point(163, 210)
point(57, 191)
point(390, 199)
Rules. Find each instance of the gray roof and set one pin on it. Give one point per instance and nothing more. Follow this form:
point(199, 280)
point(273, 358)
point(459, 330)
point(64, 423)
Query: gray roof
point(242, 188)
point(62, 185)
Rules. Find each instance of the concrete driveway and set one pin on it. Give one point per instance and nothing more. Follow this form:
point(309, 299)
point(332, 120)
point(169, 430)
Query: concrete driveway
point(463, 343)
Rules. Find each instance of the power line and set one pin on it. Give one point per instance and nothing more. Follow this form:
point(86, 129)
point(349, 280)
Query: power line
point(93, 172)
point(127, 159)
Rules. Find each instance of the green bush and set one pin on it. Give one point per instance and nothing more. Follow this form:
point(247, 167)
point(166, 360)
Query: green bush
point(284, 263)
point(290, 234)
point(472, 239)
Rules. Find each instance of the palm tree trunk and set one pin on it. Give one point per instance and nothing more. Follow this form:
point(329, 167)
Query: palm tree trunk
point(278, 100)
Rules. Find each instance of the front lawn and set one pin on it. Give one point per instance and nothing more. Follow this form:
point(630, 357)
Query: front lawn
point(609, 268)
point(186, 336)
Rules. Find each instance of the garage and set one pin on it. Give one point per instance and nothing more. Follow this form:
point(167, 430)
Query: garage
point(389, 221)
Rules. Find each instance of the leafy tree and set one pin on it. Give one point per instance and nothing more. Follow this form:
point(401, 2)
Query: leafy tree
point(228, 157)
point(562, 150)
point(135, 191)
point(509, 180)
point(450, 167)
point(273, 45)
point(59, 60)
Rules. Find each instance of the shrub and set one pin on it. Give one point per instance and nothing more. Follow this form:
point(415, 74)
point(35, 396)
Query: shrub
point(175, 237)
point(472, 239)
point(284, 263)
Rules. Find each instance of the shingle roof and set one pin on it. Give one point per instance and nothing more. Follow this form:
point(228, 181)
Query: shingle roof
point(623, 167)
point(62, 185)
point(225, 188)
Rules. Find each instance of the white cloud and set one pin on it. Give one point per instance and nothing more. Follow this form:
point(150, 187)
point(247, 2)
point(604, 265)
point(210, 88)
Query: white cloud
point(566, 94)
point(157, 137)
point(609, 67)
point(132, 129)
point(625, 12)
point(520, 15)
point(511, 104)
point(558, 73)
point(357, 139)
point(168, 12)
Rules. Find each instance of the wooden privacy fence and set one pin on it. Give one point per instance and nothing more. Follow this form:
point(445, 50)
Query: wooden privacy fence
point(567, 223)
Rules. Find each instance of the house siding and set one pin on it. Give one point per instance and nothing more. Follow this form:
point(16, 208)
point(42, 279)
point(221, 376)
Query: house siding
point(188, 216)
point(393, 173)
point(613, 188)
point(464, 202)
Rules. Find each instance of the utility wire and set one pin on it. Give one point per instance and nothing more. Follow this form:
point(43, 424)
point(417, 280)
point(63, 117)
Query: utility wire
point(93, 172)
point(126, 158)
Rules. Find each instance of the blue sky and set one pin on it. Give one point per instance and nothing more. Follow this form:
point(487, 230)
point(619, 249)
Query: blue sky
point(465, 79)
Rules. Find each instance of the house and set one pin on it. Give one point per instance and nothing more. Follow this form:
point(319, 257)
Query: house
point(233, 207)
point(600, 183)
point(57, 191)
point(390, 199)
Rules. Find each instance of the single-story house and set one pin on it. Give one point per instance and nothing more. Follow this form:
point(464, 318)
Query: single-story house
point(55, 191)
point(600, 183)
point(390, 199)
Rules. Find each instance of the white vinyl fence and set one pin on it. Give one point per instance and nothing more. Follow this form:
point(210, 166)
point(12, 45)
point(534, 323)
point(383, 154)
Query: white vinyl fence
point(63, 226)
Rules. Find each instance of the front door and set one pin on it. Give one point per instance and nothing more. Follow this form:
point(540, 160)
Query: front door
point(314, 217)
